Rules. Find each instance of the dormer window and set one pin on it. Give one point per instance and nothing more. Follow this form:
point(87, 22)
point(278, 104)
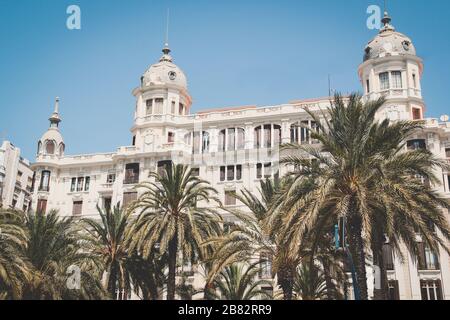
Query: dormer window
point(50, 147)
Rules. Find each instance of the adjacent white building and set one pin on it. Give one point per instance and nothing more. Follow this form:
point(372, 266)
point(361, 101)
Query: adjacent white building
point(236, 147)
point(16, 178)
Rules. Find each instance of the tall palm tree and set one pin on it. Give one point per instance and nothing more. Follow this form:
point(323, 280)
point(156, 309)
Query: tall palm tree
point(14, 268)
point(240, 282)
point(248, 237)
point(361, 170)
point(54, 249)
point(170, 217)
point(310, 283)
point(107, 242)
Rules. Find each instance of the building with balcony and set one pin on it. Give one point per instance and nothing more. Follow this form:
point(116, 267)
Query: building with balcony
point(236, 147)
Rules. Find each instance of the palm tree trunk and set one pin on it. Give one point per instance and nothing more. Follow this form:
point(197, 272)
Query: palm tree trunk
point(331, 288)
point(171, 280)
point(112, 281)
point(382, 293)
point(286, 282)
point(356, 246)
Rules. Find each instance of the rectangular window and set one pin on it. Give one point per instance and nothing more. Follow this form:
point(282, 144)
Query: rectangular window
point(257, 137)
point(164, 166)
point(221, 146)
point(367, 86)
point(384, 81)
point(41, 206)
point(149, 104)
point(131, 173)
point(231, 139)
point(80, 182)
point(267, 136)
point(240, 138)
point(427, 259)
point(181, 109)
point(230, 198)
point(128, 197)
point(266, 266)
point(447, 152)
point(304, 132)
point(196, 172)
point(393, 293)
point(111, 178)
point(416, 144)
point(159, 104)
point(259, 170)
point(414, 81)
point(222, 173)
point(172, 107)
point(238, 172)
point(107, 204)
point(267, 170)
point(171, 137)
point(73, 185)
point(45, 181)
point(87, 183)
point(77, 208)
point(417, 115)
point(431, 289)
point(396, 79)
point(230, 173)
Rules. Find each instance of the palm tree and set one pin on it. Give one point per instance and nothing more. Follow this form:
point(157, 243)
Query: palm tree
point(310, 283)
point(107, 242)
point(240, 282)
point(248, 237)
point(14, 268)
point(54, 249)
point(361, 170)
point(170, 217)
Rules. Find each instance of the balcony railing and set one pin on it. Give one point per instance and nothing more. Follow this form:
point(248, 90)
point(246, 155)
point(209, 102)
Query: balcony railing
point(131, 180)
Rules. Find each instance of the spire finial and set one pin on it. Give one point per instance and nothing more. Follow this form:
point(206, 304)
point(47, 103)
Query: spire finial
point(166, 50)
point(166, 44)
point(386, 20)
point(56, 105)
point(54, 118)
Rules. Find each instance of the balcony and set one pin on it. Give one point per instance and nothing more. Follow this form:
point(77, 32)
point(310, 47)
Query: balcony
point(131, 180)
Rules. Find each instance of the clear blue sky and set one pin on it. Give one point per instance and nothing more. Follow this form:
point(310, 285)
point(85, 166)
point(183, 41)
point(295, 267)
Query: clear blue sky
point(233, 52)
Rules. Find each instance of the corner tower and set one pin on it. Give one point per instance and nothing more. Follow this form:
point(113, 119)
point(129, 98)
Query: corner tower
point(51, 143)
point(161, 97)
point(391, 69)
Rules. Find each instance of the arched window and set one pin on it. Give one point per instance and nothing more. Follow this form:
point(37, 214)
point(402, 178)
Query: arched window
point(50, 147)
point(267, 136)
point(39, 150)
point(200, 141)
point(231, 139)
point(62, 148)
point(301, 132)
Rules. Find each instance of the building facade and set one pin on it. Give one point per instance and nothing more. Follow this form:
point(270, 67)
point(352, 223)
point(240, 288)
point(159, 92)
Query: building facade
point(16, 178)
point(234, 148)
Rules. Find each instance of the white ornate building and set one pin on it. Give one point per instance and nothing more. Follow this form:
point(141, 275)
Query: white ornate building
point(234, 148)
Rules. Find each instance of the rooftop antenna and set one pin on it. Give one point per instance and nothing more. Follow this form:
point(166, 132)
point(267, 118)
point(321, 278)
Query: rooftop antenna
point(167, 28)
point(329, 85)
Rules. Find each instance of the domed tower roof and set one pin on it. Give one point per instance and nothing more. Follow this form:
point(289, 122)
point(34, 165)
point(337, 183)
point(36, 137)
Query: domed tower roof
point(388, 42)
point(164, 72)
point(52, 142)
